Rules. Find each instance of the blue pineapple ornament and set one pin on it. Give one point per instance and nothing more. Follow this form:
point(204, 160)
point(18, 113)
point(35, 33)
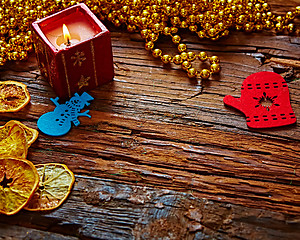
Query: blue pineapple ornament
point(59, 122)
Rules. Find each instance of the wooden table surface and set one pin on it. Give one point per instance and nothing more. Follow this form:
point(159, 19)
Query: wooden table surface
point(162, 157)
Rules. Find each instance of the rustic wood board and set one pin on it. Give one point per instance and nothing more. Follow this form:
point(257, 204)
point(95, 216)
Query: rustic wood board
point(162, 157)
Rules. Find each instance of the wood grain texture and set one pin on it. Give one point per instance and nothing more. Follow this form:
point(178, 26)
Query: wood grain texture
point(162, 157)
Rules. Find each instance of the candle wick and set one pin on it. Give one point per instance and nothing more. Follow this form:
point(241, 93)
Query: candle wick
point(68, 42)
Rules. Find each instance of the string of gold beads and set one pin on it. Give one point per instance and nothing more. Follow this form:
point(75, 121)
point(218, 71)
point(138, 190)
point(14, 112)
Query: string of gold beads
point(212, 19)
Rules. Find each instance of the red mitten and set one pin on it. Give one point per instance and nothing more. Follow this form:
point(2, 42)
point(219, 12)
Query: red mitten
point(264, 100)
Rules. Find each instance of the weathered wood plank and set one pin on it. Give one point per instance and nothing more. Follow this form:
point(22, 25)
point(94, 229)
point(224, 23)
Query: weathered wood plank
point(106, 209)
point(9, 232)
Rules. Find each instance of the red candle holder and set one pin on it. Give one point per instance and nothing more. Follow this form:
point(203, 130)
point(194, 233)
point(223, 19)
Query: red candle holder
point(80, 63)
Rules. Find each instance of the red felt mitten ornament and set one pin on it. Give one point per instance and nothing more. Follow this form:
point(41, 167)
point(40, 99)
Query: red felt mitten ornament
point(264, 100)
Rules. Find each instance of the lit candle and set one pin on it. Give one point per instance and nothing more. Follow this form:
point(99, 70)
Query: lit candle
point(66, 39)
point(77, 31)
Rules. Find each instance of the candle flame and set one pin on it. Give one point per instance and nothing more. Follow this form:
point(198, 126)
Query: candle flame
point(67, 35)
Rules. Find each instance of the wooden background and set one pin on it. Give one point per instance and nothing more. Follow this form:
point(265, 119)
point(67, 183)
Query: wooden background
point(162, 157)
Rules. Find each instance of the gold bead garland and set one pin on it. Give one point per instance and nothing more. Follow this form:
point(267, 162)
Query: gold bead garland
point(210, 19)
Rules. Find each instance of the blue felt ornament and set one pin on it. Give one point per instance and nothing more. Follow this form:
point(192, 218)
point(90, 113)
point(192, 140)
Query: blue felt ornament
point(59, 122)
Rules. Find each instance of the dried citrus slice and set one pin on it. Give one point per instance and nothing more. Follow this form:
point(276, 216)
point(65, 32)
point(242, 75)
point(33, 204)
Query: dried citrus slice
point(56, 181)
point(13, 96)
point(31, 134)
point(18, 181)
point(15, 144)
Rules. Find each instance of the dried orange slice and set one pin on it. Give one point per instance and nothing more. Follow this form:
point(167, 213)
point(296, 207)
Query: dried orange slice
point(18, 181)
point(56, 181)
point(31, 134)
point(13, 96)
point(15, 144)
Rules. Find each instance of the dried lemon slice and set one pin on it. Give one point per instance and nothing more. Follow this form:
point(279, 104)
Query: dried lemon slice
point(15, 144)
point(18, 181)
point(31, 134)
point(13, 96)
point(56, 181)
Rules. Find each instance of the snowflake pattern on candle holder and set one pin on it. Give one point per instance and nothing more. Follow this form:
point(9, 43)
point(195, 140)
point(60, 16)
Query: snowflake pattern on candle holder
point(84, 81)
point(79, 58)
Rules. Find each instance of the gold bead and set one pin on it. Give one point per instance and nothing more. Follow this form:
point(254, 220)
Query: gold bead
point(192, 72)
point(290, 15)
point(131, 20)
point(145, 33)
point(122, 18)
point(182, 47)
point(269, 15)
point(269, 25)
point(248, 27)
point(265, 6)
point(202, 56)
point(23, 55)
point(176, 39)
point(199, 18)
point(186, 65)
point(14, 56)
point(205, 74)
point(184, 56)
point(168, 10)
point(153, 37)
point(184, 24)
point(175, 21)
point(192, 19)
point(117, 22)
point(177, 59)
point(191, 56)
point(279, 18)
point(297, 11)
point(212, 32)
point(215, 68)
point(174, 30)
point(291, 28)
point(279, 27)
point(110, 17)
point(156, 53)
point(183, 12)
point(258, 6)
point(155, 17)
point(259, 27)
point(238, 27)
point(193, 28)
point(144, 22)
point(3, 30)
point(221, 14)
point(12, 40)
point(27, 39)
point(166, 59)
point(149, 45)
point(233, 9)
point(157, 27)
point(145, 13)
point(2, 61)
point(167, 31)
point(214, 59)
point(131, 28)
point(258, 16)
point(220, 26)
point(201, 34)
